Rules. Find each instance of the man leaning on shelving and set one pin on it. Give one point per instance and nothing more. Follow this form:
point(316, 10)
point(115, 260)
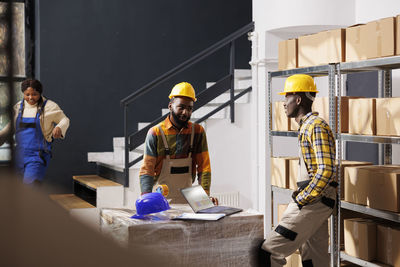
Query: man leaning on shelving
point(304, 224)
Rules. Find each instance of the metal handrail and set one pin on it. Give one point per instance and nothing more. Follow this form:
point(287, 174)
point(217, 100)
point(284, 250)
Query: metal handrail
point(229, 40)
point(205, 53)
point(224, 105)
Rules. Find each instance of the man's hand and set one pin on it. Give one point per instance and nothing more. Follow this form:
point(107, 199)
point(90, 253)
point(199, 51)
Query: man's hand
point(57, 132)
point(294, 195)
point(214, 200)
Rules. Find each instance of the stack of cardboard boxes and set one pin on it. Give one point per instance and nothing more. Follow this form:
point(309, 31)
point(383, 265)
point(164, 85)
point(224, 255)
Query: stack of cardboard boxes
point(363, 116)
point(375, 39)
point(374, 116)
point(377, 187)
point(284, 172)
point(373, 186)
point(371, 240)
point(321, 105)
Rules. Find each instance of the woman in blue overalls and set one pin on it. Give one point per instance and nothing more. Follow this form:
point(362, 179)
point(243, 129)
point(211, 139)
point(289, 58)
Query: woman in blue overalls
point(38, 121)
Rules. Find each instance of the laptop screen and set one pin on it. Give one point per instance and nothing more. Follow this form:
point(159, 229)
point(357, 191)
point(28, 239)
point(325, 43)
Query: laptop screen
point(197, 198)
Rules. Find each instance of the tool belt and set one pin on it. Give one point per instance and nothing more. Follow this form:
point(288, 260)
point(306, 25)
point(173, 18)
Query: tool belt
point(330, 202)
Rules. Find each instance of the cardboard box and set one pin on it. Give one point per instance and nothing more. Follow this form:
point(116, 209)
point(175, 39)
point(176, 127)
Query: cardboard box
point(321, 48)
point(355, 49)
point(345, 164)
point(280, 171)
point(388, 244)
point(287, 54)
point(395, 234)
point(372, 40)
point(294, 126)
point(362, 116)
point(398, 35)
point(360, 238)
point(281, 122)
point(332, 47)
point(344, 215)
point(281, 210)
point(293, 173)
point(308, 51)
point(294, 260)
point(379, 37)
point(383, 254)
point(374, 186)
point(321, 105)
point(388, 116)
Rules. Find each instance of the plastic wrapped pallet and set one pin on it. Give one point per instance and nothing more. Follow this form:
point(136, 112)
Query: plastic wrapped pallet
point(232, 241)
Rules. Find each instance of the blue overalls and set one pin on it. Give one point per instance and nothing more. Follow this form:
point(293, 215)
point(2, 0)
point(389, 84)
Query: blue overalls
point(33, 151)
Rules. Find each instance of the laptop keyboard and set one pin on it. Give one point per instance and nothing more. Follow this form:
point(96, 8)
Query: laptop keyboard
point(219, 209)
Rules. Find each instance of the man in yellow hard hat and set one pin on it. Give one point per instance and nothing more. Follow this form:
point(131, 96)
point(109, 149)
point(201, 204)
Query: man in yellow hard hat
point(176, 149)
point(304, 224)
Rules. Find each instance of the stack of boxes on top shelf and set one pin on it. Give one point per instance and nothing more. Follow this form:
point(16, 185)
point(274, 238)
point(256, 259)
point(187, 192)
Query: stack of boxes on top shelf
point(375, 39)
point(377, 187)
point(368, 116)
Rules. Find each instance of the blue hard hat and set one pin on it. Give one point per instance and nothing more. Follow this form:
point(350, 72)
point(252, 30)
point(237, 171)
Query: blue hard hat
point(151, 203)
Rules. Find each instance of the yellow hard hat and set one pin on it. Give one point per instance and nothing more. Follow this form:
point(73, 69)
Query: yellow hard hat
point(183, 89)
point(299, 83)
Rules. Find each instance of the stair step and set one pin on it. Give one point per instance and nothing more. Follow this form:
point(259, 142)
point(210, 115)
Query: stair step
point(120, 142)
point(141, 125)
point(242, 73)
point(94, 181)
point(70, 201)
point(98, 191)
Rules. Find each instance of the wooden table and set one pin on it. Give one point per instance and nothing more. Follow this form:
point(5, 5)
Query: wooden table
point(231, 241)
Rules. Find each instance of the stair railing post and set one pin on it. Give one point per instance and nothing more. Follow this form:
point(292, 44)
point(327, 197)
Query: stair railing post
point(232, 73)
point(127, 148)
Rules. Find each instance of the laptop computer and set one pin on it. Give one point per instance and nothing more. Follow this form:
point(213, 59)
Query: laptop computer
point(200, 202)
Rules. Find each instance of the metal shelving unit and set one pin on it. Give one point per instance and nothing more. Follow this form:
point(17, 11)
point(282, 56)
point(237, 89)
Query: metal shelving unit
point(334, 73)
point(360, 262)
point(278, 194)
point(387, 215)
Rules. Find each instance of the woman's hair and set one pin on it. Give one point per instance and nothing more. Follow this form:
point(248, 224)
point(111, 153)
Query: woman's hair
point(35, 84)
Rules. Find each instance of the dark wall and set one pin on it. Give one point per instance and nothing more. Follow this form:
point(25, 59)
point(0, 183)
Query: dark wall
point(93, 53)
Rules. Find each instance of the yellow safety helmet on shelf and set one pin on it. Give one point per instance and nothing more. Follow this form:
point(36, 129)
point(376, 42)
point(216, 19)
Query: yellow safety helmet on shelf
point(183, 89)
point(299, 83)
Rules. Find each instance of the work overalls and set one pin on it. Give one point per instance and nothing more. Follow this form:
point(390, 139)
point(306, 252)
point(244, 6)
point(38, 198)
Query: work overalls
point(33, 150)
point(304, 228)
point(176, 173)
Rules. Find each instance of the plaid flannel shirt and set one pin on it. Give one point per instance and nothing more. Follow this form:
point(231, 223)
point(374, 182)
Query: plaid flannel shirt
point(318, 148)
point(178, 142)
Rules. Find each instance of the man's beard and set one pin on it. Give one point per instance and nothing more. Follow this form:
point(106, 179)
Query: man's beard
point(177, 120)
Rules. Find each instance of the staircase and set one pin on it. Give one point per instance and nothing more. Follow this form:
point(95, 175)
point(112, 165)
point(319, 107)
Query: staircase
point(111, 164)
point(116, 183)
